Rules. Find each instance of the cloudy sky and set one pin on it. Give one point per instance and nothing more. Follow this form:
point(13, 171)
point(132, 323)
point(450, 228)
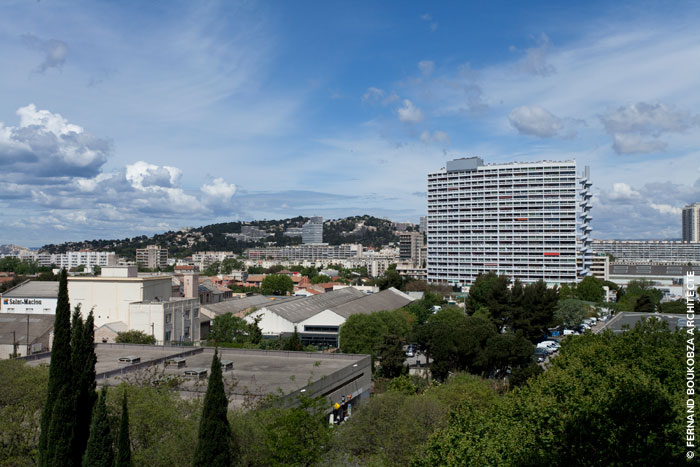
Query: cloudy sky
point(126, 118)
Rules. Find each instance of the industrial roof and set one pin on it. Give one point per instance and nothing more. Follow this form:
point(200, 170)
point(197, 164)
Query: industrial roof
point(34, 289)
point(389, 299)
point(39, 325)
point(238, 305)
point(298, 310)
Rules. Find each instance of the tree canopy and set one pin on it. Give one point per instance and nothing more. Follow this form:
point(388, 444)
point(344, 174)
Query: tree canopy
point(277, 284)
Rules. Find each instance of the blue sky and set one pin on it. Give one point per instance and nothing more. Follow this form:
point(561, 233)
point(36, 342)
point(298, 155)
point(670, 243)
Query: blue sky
point(127, 118)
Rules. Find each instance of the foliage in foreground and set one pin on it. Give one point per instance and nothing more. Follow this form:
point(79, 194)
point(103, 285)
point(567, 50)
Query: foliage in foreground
point(607, 400)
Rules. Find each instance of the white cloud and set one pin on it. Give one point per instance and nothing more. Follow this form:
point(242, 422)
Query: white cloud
point(535, 60)
point(55, 51)
point(632, 125)
point(535, 121)
point(623, 191)
point(648, 119)
point(408, 113)
point(219, 189)
point(667, 209)
point(426, 67)
point(46, 145)
point(624, 143)
point(142, 175)
point(429, 19)
point(437, 136)
point(372, 94)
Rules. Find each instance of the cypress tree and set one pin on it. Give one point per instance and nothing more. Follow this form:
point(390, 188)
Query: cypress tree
point(124, 442)
point(100, 449)
point(60, 439)
point(83, 348)
point(60, 373)
point(213, 444)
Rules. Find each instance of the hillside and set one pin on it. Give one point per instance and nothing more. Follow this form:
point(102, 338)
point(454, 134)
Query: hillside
point(368, 230)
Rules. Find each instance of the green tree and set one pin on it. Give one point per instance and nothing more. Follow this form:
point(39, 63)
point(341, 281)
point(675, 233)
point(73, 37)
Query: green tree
point(600, 390)
point(532, 309)
point(361, 334)
point(391, 357)
point(254, 331)
point(60, 381)
point(83, 363)
point(590, 289)
point(227, 328)
point(134, 337)
point(675, 307)
point(212, 269)
point(214, 441)
point(644, 304)
point(230, 264)
point(100, 449)
point(293, 342)
point(570, 312)
point(277, 284)
point(124, 440)
point(22, 396)
point(490, 291)
point(321, 278)
point(390, 278)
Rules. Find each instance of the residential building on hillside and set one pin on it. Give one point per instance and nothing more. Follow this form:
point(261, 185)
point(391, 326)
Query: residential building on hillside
point(650, 251)
point(71, 259)
point(152, 257)
point(312, 231)
point(306, 252)
point(691, 223)
point(410, 247)
point(293, 232)
point(517, 219)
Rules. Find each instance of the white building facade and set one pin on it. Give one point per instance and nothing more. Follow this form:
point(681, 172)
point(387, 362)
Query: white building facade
point(516, 219)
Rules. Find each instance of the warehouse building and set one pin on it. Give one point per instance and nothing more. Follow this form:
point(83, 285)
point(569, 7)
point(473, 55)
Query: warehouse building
point(318, 318)
point(31, 297)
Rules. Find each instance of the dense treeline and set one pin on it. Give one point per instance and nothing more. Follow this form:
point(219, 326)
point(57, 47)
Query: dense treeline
point(607, 399)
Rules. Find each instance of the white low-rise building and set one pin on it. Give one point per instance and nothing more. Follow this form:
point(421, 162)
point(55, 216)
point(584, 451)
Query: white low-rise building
point(110, 294)
point(31, 297)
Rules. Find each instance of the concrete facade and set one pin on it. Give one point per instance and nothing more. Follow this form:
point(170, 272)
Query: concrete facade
point(110, 297)
point(516, 219)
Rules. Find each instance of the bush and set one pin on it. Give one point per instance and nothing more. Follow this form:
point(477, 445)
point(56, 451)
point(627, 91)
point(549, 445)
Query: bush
point(134, 337)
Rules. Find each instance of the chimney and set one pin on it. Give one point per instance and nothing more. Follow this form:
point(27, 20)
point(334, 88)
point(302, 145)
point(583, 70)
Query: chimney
point(190, 282)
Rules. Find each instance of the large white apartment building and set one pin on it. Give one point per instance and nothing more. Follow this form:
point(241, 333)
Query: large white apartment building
point(516, 219)
point(72, 259)
point(650, 251)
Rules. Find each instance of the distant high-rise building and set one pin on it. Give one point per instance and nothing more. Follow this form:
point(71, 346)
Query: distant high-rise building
point(312, 231)
point(423, 224)
point(515, 219)
point(410, 245)
point(152, 257)
point(691, 223)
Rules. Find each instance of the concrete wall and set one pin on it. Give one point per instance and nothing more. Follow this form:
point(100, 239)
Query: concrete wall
point(111, 297)
point(271, 323)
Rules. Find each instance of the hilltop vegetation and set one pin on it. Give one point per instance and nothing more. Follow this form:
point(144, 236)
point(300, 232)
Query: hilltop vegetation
point(368, 230)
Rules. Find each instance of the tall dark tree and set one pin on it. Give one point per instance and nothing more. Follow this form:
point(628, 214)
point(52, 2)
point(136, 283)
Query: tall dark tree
point(83, 361)
point(100, 449)
point(392, 357)
point(124, 441)
point(60, 374)
point(214, 443)
point(532, 309)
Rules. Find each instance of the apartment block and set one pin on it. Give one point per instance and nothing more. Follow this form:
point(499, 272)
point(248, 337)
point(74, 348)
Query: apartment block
point(650, 251)
point(312, 231)
point(691, 223)
point(152, 257)
point(517, 219)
